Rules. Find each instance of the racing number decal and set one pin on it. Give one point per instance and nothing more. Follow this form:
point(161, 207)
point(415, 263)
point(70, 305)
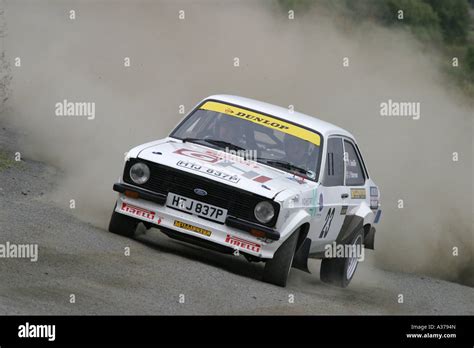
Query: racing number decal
point(327, 223)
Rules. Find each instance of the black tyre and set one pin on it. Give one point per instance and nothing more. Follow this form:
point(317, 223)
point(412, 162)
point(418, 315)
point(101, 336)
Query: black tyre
point(123, 225)
point(340, 271)
point(277, 269)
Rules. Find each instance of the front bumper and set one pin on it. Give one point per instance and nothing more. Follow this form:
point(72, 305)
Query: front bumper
point(144, 194)
point(159, 198)
point(151, 208)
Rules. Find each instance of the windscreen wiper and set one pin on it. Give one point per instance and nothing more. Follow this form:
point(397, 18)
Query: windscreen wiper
point(283, 164)
point(219, 143)
point(222, 143)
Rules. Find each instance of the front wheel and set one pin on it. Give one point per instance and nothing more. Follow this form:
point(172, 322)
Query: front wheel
point(340, 271)
point(122, 224)
point(277, 269)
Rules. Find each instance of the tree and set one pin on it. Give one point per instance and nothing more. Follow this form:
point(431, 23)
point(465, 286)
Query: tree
point(470, 59)
point(454, 19)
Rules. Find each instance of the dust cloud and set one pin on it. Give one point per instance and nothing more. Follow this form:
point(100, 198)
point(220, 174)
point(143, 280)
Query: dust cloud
point(299, 62)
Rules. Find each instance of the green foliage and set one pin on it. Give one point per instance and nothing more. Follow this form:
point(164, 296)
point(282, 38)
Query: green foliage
point(470, 60)
point(444, 23)
point(296, 4)
point(454, 19)
point(5, 161)
point(371, 9)
point(415, 13)
point(432, 18)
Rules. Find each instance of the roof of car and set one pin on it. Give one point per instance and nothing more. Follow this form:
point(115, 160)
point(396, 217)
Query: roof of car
point(323, 127)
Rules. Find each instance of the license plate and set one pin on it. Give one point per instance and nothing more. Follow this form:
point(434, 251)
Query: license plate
point(196, 208)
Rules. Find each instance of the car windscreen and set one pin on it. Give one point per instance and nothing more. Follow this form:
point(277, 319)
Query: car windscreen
point(255, 136)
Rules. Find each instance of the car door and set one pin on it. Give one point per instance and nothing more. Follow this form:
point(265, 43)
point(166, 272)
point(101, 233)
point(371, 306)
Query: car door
point(333, 197)
point(355, 175)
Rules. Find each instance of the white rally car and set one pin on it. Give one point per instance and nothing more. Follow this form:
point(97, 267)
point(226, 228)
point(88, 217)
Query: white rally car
point(250, 178)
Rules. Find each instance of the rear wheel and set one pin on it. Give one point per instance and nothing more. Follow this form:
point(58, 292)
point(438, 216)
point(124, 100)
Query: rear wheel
point(277, 269)
point(122, 224)
point(340, 271)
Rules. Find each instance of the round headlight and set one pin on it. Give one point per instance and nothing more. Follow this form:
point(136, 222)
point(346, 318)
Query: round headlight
point(264, 212)
point(140, 173)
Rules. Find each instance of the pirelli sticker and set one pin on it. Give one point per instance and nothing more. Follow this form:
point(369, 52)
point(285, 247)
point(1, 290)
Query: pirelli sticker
point(263, 120)
point(358, 193)
point(192, 228)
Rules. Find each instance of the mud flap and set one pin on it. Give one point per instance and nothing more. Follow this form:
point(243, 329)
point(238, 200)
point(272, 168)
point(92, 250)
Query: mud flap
point(370, 239)
point(351, 225)
point(300, 260)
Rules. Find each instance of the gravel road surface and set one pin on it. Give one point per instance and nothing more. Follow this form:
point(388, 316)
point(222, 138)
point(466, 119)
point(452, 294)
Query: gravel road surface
point(77, 258)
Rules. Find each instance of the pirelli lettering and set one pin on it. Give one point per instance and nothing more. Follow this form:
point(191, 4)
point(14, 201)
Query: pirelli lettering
point(263, 120)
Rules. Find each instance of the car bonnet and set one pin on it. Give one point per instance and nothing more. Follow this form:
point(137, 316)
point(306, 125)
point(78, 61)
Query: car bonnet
point(224, 168)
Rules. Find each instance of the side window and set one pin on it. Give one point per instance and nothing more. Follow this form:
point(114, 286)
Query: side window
point(334, 171)
point(354, 173)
